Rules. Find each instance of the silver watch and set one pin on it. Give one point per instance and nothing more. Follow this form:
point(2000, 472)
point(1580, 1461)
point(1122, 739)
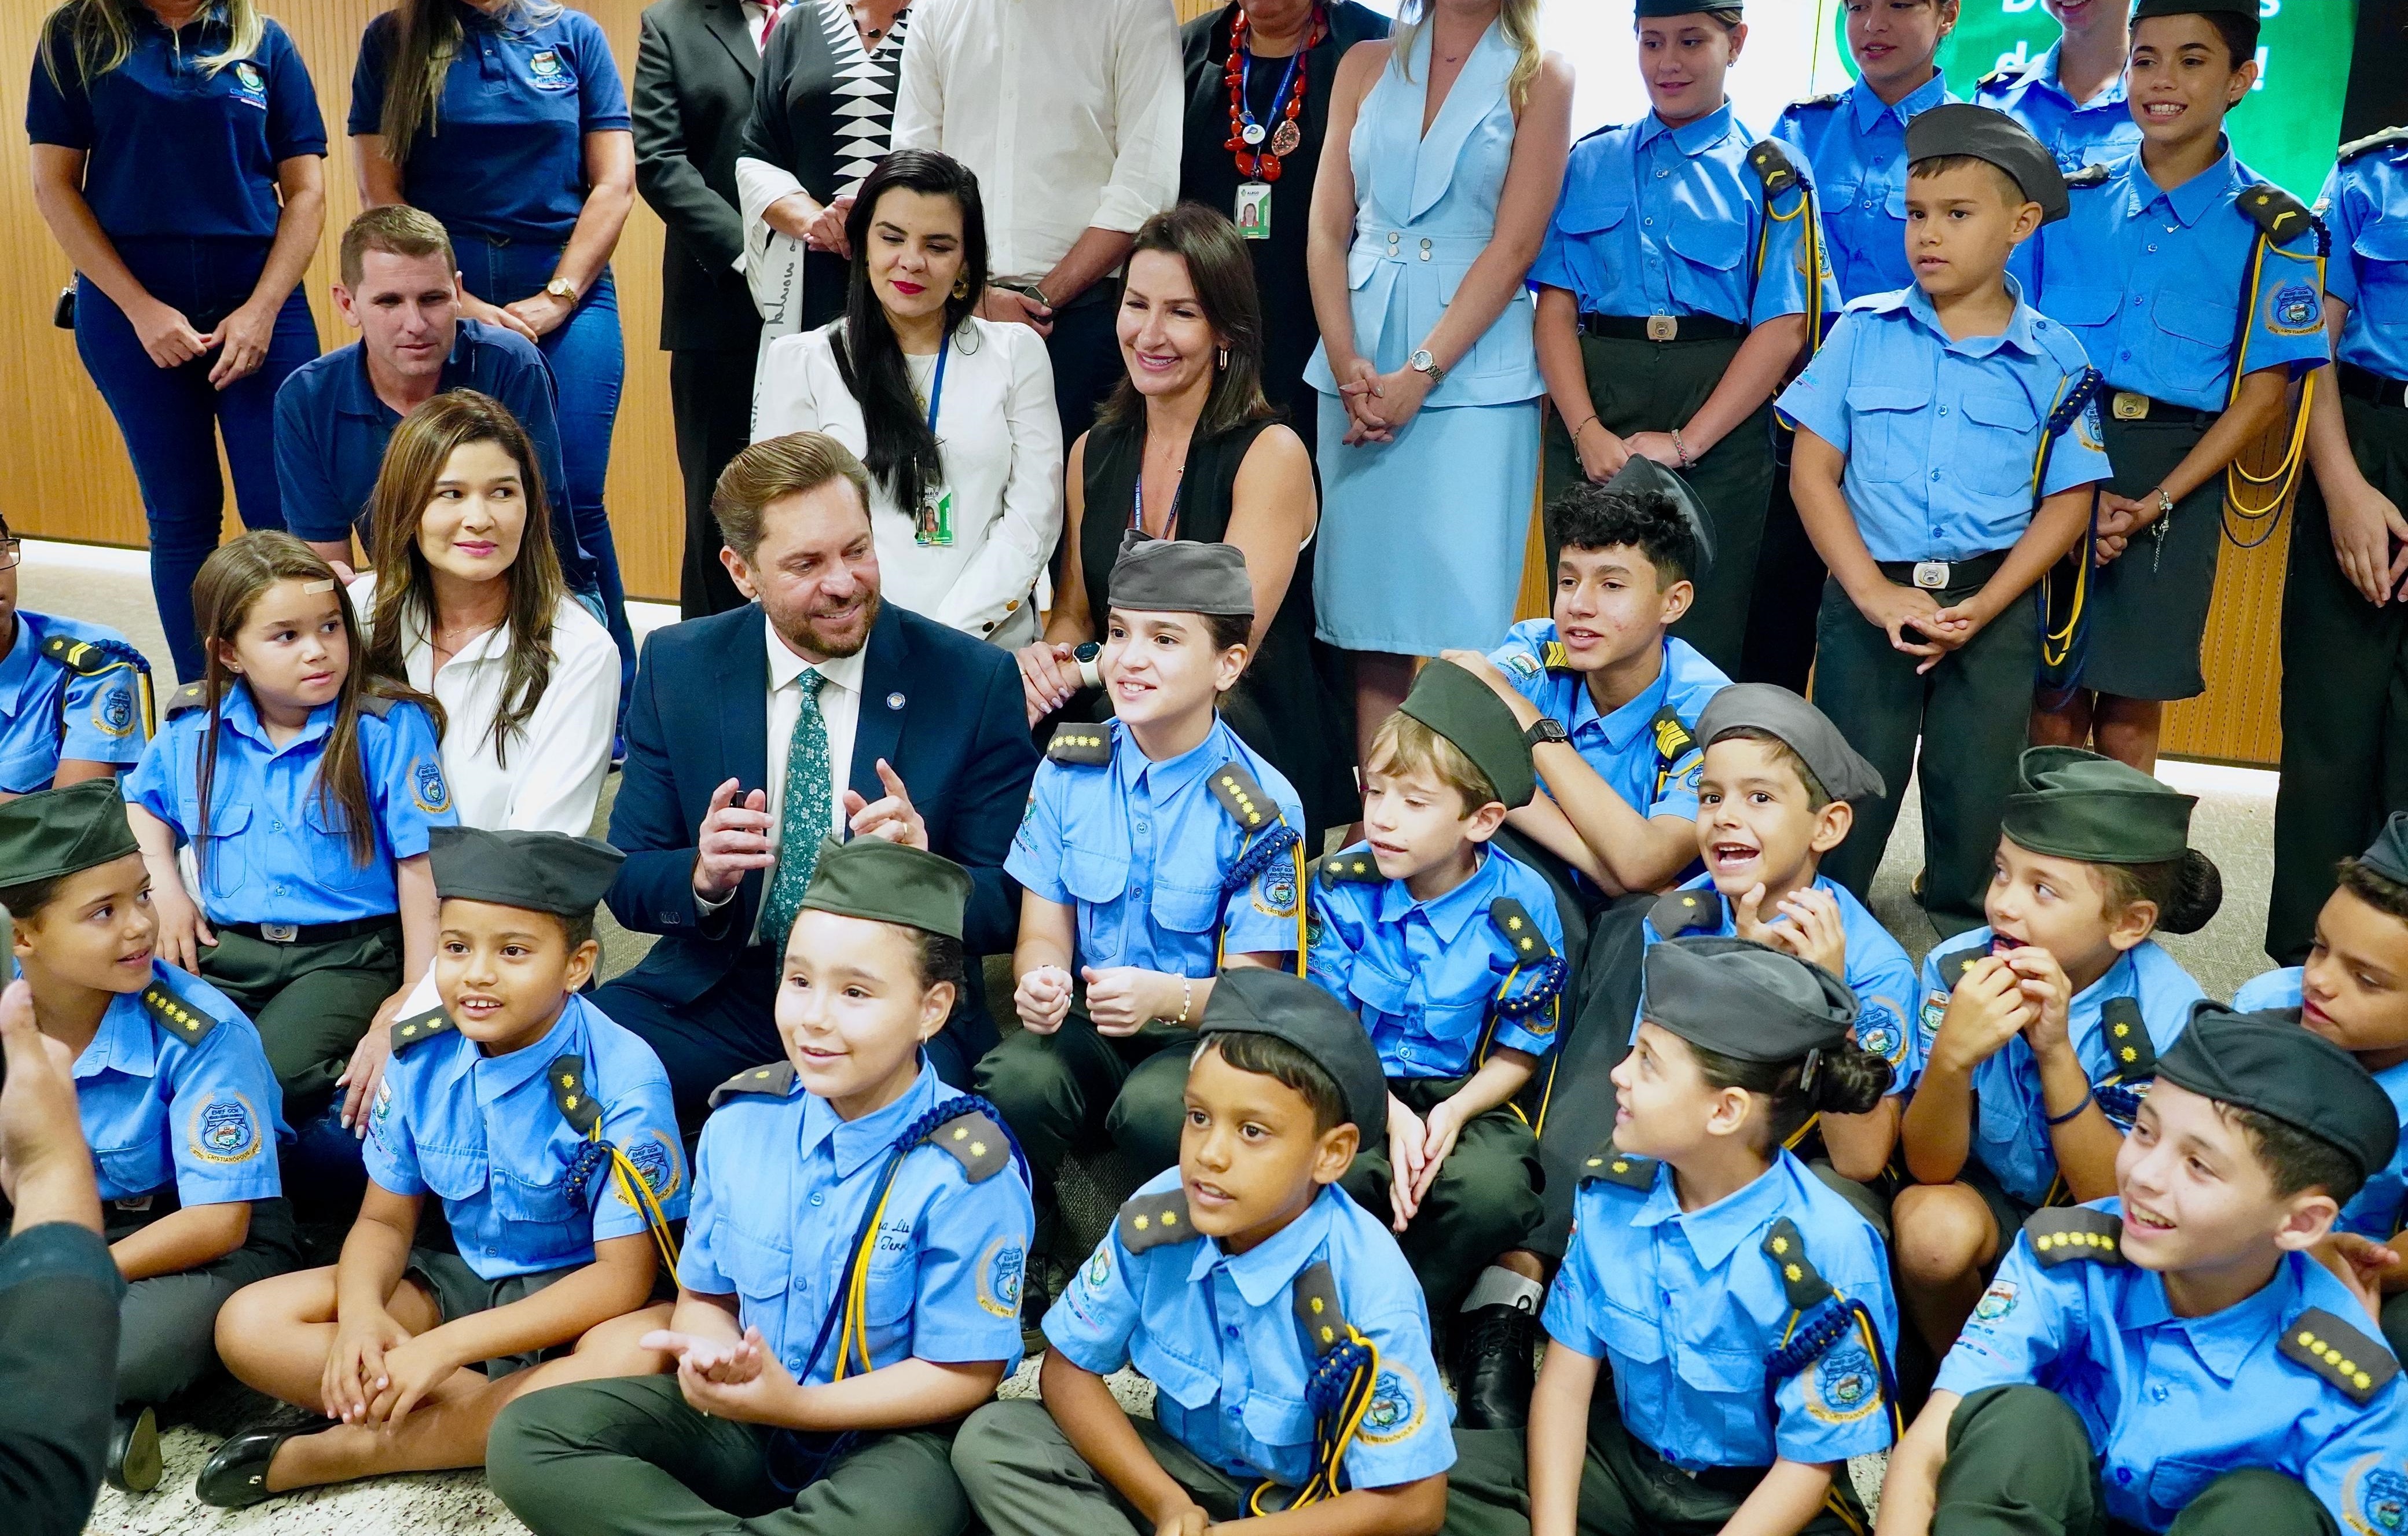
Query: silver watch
point(1422, 362)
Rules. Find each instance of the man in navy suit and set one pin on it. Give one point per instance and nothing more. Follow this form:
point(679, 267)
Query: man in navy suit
point(733, 735)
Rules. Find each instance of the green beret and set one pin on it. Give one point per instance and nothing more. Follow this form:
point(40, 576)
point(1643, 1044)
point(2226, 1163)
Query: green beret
point(2146, 8)
point(1984, 133)
point(2077, 804)
point(2271, 1063)
point(541, 871)
point(2387, 856)
point(1179, 576)
point(56, 832)
point(1770, 708)
point(1252, 1001)
point(1642, 476)
point(888, 883)
point(1467, 712)
point(1741, 998)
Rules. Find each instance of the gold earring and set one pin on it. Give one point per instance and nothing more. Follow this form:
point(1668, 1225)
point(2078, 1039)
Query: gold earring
point(960, 287)
point(1225, 357)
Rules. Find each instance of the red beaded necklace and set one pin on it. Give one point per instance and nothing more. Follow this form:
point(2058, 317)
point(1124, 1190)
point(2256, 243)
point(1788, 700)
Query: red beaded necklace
point(1259, 159)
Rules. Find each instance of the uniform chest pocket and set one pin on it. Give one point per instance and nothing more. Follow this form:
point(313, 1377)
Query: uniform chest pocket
point(1189, 1384)
point(1277, 1421)
point(2196, 330)
point(135, 1168)
point(28, 765)
point(1999, 433)
point(1094, 878)
point(2382, 251)
point(1886, 433)
point(455, 1175)
point(1714, 243)
point(522, 1203)
point(2080, 305)
point(224, 869)
point(1591, 213)
point(892, 1288)
point(1184, 909)
point(2174, 1482)
point(1630, 1333)
point(331, 863)
point(760, 1270)
point(1378, 989)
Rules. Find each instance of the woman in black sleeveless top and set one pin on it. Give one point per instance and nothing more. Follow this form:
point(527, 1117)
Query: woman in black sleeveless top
point(1187, 447)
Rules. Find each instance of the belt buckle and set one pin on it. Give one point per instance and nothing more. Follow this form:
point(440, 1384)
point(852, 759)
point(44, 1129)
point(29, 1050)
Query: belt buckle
point(2131, 405)
point(1663, 327)
point(1932, 574)
point(279, 933)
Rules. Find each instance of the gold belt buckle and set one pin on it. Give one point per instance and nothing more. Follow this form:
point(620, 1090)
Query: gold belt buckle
point(280, 933)
point(1663, 327)
point(1932, 574)
point(2131, 405)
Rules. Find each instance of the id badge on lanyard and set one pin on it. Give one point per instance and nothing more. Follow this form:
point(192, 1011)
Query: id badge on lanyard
point(1254, 213)
point(932, 523)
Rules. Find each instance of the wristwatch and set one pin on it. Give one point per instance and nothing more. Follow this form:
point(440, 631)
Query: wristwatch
point(1544, 730)
point(1422, 362)
point(562, 289)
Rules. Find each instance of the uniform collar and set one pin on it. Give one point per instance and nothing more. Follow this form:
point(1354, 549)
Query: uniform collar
point(1870, 108)
point(2044, 71)
point(496, 1076)
point(1448, 914)
point(2192, 200)
point(126, 1041)
point(854, 1143)
point(1630, 722)
point(2018, 333)
point(17, 666)
point(2120, 977)
point(358, 395)
point(785, 666)
point(1691, 138)
point(1263, 1272)
point(241, 713)
point(2224, 1340)
point(1715, 1232)
point(1171, 775)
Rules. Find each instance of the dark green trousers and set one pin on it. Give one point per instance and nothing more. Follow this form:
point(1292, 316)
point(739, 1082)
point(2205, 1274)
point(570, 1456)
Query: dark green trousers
point(1080, 1090)
point(2148, 605)
point(2344, 697)
point(167, 1325)
point(1651, 386)
point(1023, 1479)
point(628, 1457)
point(311, 1002)
point(2020, 1464)
point(1484, 1202)
point(1972, 715)
point(1626, 1489)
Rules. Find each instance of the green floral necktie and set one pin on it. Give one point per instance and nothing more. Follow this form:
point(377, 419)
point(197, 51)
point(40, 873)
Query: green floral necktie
point(804, 818)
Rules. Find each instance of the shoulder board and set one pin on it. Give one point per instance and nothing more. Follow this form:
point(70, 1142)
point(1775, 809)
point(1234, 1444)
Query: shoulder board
point(1673, 739)
point(1832, 99)
point(2005, 74)
point(1243, 798)
point(1955, 963)
point(1554, 657)
point(192, 695)
point(581, 1108)
point(1316, 1308)
point(777, 1080)
point(1804, 1285)
point(377, 704)
point(2092, 175)
point(90, 658)
point(2282, 216)
point(1622, 1168)
point(1351, 868)
point(2373, 142)
point(2063, 1233)
point(1089, 746)
point(1773, 167)
point(1676, 913)
point(976, 1141)
point(176, 1016)
point(420, 1029)
point(1150, 1221)
point(1514, 925)
point(2359, 1366)
point(2127, 1039)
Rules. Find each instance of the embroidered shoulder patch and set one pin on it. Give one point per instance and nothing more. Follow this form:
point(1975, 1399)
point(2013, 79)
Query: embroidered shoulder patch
point(1843, 1384)
point(1000, 1271)
point(1397, 1406)
point(2064, 1233)
point(225, 1129)
point(427, 790)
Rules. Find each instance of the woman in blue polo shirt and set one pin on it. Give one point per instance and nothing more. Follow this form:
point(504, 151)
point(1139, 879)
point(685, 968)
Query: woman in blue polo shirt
point(177, 149)
point(505, 120)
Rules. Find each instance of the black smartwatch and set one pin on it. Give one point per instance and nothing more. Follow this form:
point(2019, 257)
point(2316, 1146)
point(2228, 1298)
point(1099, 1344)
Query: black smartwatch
point(1544, 730)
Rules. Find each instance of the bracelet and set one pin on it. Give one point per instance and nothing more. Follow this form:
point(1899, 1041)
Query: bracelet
point(1187, 1000)
point(2088, 1097)
point(1681, 448)
point(1583, 426)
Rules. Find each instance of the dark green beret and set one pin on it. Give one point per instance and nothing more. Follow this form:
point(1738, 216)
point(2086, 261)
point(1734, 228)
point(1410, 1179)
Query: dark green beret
point(1651, 9)
point(2387, 856)
point(2146, 8)
point(541, 871)
point(1770, 708)
point(2271, 1063)
point(1179, 576)
point(65, 831)
point(1984, 133)
point(2077, 804)
point(1642, 476)
point(1746, 999)
point(887, 882)
point(1467, 712)
point(1252, 1001)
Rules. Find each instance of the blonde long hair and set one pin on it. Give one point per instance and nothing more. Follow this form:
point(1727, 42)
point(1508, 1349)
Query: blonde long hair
point(427, 34)
point(99, 34)
point(1520, 20)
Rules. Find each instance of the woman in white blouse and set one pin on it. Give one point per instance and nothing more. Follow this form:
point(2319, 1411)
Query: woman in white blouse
point(953, 415)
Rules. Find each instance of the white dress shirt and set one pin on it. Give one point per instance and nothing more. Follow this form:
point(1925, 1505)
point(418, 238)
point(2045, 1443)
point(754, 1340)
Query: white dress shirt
point(1068, 110)
point(1000, 438)
point(759, 19)
point(839, 710)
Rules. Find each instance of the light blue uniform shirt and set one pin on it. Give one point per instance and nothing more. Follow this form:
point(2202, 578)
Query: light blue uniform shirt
point(2381, 1203)
point(2011, 1122)
point(1685, 1306)
point(1141, 848)
point(1854, 146)
point(1621, 746)
point(1662, 221)
point(1943, 436)
point(1216, 1332)
point(50, 710)
point(276, 852)
point(1423, 975)
point(783, 1187)
point(2365, 204)
point(2100, 129)
point(159, 1112)
point(1878, 973)
point(2150, 284)
point(2172, 1404)
point(486, 1136)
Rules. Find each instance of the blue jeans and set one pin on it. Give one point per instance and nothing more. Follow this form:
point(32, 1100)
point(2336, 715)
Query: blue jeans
point(172, 418)
point(589, 367)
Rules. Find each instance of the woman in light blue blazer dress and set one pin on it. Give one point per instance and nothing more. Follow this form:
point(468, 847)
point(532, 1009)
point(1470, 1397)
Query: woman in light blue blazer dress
point(1445, 155)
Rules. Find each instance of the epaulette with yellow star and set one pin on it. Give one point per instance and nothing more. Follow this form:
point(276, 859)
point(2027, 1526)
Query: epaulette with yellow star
point(176, 1016)
point(1150, 1221)
point(2127, 1039)
point(1243, 797)
point(975, 1138)
point(1088, 746)
point(581, 1108)
point(1315, 1294)
point(1520, 930)
point(191, 697)
point(1352, 867)
point(2064, 1233)
point(2359, 1366)
point(777, 1080)
point(1626, 1169)
point(1955, 963)
point(1803, 1283)
point(420, 1029)
point(1676, 913)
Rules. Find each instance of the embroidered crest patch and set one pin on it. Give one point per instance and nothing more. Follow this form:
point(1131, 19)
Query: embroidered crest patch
point(998, 1277)
point(224, 1130)
point(2374, 1498)
point(1275, 894)
point(1844, 1384)
point(546, 72)
point(654, 1159)
point(1879, 1031)
point(427, 788)
point(1396, 1408)
point(1996, 1302)
point(2294, 309)
point(113, 712)
point(1098, 1272)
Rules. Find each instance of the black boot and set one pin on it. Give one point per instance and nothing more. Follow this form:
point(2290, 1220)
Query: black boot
point(134, 1463)
point(1494, 1348)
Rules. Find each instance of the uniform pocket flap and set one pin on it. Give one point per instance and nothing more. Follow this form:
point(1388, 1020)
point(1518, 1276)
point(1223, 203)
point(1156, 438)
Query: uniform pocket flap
point(1629, 1334)
point(1884, 398)
point(1189, 1384)
point(2385, 240)
point(549, 1204)
point(1720, 1370)
point(1094, 877)
point(2083, 306)
point(1376, 988)
point(1717, 243)
point(2197, 317)
point(759, 1268)
point(2012, 412)
point(1278, 1421)
point(1184, 908)
point(454, 1175)
point(1588, 215)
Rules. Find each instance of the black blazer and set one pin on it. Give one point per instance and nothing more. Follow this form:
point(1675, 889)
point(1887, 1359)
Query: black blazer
point(694, 93)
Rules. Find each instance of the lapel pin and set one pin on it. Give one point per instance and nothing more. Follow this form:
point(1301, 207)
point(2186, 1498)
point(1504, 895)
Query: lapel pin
point(893, 701)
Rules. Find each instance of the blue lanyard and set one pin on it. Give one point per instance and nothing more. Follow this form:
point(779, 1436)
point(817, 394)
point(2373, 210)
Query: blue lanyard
point(1245, 81)
point(937, 389)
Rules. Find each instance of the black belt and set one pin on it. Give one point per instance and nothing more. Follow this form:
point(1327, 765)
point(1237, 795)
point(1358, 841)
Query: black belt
point(2366, 385)
point(1944, 575)
point(2127, 405)
point(1662, 329)
point(312, 933)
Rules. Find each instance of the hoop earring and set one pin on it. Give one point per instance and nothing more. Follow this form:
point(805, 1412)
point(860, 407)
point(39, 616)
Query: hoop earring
point(960, 287)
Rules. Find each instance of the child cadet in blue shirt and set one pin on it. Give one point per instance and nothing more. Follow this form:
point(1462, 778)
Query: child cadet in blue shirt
point(176, 1102)
point(2071, 97)
point(1158, 851)
point(2197, 290)
point(2042, 1031)
point(546, 1131)
point(851, 1283)
point(75, 698)
point(1673, 294)
point(2174, 1358)
point(1945, 461)
point(1743, 1307)
point(1608, 700)
point(1286, 1336)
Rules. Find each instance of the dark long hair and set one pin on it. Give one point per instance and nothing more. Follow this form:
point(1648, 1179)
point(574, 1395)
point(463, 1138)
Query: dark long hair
point(902, 450)
point(426, 36)
point(1224, 278)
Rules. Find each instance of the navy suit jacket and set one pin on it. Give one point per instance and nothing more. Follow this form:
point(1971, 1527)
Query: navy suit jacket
point(946, 712)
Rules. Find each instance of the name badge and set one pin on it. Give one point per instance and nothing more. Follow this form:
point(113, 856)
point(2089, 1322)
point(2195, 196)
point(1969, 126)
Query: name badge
point(1255, 210)
point(934, 526)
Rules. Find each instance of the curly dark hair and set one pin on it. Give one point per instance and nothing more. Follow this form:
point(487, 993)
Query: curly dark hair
point(1590, 517)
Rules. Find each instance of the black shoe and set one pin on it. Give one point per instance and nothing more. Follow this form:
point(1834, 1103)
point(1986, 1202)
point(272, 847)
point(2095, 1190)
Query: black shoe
point(134, 1462)
point(1493, 1347)
point(235, 1476)
point(1040, 1281)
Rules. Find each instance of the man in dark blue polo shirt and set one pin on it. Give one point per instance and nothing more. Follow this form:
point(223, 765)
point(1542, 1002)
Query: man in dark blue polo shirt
point(400, 290)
